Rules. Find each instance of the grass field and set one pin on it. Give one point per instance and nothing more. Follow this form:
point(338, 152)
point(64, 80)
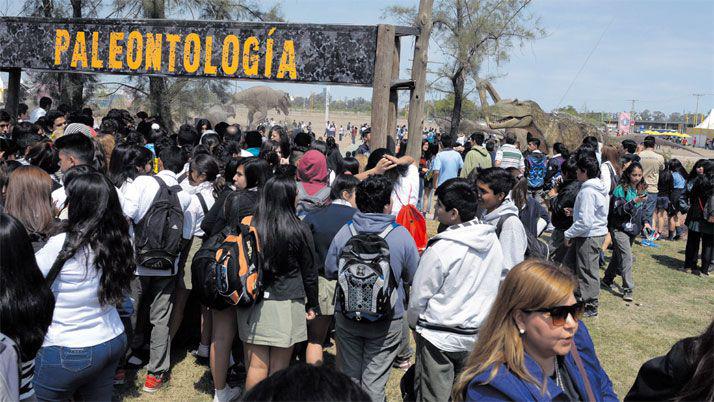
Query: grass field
point(669, 305)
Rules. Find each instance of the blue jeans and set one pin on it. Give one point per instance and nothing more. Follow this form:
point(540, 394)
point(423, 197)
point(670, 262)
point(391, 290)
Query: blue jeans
point(650, 206)
point(81, 373)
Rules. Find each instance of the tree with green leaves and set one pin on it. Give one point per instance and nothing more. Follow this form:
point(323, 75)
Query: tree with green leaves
point(468, 33)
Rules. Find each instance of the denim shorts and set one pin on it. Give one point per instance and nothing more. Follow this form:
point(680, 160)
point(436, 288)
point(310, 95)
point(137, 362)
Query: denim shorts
point(87, 373)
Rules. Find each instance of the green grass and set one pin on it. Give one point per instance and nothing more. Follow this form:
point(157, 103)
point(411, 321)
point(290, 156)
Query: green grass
point(669, 305)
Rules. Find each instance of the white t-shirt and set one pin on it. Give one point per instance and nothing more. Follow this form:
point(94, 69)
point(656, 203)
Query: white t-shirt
point(79, 320)
point(406, 190)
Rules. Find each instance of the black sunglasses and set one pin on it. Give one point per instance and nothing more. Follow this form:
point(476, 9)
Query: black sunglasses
point(559, 314)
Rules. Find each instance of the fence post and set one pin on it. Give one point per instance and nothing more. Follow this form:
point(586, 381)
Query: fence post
point(13, 92)
point(416, 100)
point(381, 85)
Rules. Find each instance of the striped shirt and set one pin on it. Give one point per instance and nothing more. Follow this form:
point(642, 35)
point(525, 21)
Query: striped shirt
point(27, 375)
point(510, 156)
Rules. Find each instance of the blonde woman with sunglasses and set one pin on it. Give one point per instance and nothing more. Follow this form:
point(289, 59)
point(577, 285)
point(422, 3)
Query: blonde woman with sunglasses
point(532, 345)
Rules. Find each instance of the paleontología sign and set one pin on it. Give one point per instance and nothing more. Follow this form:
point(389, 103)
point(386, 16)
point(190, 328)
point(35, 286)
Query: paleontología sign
point(264, 51)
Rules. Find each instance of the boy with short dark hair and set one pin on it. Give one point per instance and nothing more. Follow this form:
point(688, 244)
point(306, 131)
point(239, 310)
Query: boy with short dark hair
point(588, 231)
point(494, 186)
point(368, 348)
point(453, 289)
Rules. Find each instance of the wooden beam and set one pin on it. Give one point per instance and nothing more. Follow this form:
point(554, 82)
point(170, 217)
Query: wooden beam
point(403, 84)
point(13, 92)
point(401, 30)
point(394, 92)
point(416, 101)
point(381, 84)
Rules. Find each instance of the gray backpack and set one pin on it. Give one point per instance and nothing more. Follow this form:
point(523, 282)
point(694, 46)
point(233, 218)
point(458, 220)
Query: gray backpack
point(308, 203)
point(366, 285)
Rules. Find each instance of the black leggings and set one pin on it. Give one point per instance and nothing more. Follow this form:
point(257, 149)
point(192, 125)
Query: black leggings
point(692, 251)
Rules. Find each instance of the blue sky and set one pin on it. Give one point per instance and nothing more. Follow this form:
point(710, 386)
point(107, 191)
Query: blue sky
point(659, 52)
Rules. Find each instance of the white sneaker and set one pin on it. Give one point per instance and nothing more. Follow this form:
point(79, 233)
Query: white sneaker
point(227, 394)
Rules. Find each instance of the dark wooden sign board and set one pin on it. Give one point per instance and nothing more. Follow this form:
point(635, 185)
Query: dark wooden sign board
point(280, 52)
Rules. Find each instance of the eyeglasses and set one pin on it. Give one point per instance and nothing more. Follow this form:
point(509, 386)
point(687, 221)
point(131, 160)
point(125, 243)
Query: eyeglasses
point(559, 314)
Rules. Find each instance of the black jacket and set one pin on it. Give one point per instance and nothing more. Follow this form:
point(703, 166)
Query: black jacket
point(662, 378)
point(567, 192)
point(296, 277)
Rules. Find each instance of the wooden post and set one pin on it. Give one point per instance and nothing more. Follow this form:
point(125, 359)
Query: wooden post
point(13, 92)
point(416, 101)
point(394, 92)
point(381, 84)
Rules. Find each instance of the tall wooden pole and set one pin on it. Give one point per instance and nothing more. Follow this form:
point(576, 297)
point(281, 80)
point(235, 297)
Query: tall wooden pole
point(416, 101)
point(13, 92)
point(394, 92)
point(381, 84)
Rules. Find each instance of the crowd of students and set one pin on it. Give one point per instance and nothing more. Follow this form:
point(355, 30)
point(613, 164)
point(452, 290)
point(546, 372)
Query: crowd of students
point(494, 308)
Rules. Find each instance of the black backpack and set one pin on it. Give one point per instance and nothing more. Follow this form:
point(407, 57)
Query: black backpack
point(159, 234)
point(228, 269)
point(365, 281)
point(535, 248)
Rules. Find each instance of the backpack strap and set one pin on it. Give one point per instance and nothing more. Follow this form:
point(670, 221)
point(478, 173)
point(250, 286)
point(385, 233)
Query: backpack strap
point(203, 203)
point(182, 177)
point(351, 226)
point(583, 373)
point(162, 184)
point(58, 264)
point(384, 233)
point(501, 220)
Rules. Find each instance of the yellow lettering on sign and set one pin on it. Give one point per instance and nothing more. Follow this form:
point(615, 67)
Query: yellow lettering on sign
point(287, 61)
point(250, 59)
point(269, 55)
point(115, 49)
point(153, 51)
point(134, 50)
point(79, 54)
point(96, 62)
point(173, 40)
point(209, 68)
point(192, 53)
point(229, 55)
point(61, 44)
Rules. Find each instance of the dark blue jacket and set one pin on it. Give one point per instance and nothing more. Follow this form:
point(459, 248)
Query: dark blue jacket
point(507, 386)
point(325, 223)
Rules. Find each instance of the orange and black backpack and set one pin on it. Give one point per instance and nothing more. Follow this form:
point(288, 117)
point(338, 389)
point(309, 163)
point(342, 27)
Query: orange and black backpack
point(228, 269)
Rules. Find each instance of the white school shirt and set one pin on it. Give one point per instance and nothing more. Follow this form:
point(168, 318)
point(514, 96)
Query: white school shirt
point(139, 196)
point(59, 198)
point(406, 190)
point(79, 320)
point(194, 213)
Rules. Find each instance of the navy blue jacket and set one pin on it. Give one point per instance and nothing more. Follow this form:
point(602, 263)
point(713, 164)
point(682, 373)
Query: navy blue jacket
point(507, 386)
point(325, 223)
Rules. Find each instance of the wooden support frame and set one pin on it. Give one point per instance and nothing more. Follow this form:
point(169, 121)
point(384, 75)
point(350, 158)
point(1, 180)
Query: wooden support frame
point(415, 124)
point(12, 100)
point(394, 91)
point(381, 86)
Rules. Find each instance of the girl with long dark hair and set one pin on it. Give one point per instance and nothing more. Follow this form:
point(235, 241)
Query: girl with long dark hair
point(271, 327)
point(562, 201)
point(625, 222)
point(26, 301)
point(249, 177)
point(700, 221)
point(404, 175)
point(127, 162)
point(94, 264)
point(203, 170)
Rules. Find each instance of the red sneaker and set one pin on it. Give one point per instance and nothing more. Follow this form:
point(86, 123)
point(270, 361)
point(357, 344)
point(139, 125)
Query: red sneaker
point(154, 382)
